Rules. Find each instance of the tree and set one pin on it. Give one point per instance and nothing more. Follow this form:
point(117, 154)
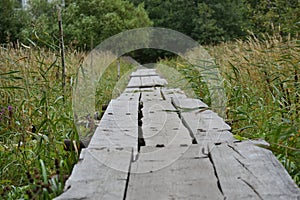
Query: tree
point(280, 14)
point(231, 17)
point(12, 20)
point(207, 21)
point(87, 21)
point(206, 29)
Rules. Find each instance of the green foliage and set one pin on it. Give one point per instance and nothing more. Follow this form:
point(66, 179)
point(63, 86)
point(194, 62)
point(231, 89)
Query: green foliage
point(206, 21)
point(190, 74)
point(262, 86)
point(261, 80)
point(10, 23)
point(268, 16)
point(109, 85)
point(33, 163)
point(231, 18)
point(85, 22)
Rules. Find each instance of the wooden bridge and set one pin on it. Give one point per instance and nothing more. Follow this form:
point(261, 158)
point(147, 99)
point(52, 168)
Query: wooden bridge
point(155, 143)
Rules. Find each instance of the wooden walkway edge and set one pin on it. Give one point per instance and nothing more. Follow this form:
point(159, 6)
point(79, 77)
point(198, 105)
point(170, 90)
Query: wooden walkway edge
point(153, 142)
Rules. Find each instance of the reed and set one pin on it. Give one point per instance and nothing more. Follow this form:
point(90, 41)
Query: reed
point(36, 116)
point(262, 85)
point(261, 80)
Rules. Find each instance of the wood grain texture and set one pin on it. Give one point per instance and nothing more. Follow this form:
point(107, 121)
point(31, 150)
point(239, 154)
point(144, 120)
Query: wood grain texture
point(247, 171)
point(118, 126)
point(183, 173)
point(170, 166)
point(135, 82)
point(188, 103)
point(129, 95)
point(162, 126)
point(150, 95)
point(153, 81)
point(204, 120)
point(170, 93)
point(100, 174)
point(144, 72)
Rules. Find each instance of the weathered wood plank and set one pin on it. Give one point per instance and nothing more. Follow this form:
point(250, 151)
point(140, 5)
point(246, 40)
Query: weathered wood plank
point(158, 81)
point(153, 94)
point(162, 126)
point(118, 126)
point(204, 125)
point(153, 81)
point(135, 82)
point(129, 95)
point(100, 174)
point(144, 72)
point(246, 171)
point(173, 93)
point(146, 81)
point(205, 120)
point(213, 137)
point(188, 104)
point(174, 172)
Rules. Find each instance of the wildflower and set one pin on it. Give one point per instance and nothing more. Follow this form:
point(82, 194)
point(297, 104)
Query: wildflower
point(10, 111)
point(10, 115)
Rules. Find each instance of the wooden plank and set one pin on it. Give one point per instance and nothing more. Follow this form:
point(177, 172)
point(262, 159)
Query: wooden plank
point(161, 126)
point(213, 137)
point(158, 81)
point(189, 104)
point(153, 81)
point(144, 72)
point(174, 172)
point(135, 82)
point(204, 121)
point(195, 115)
point(246, 171)
point(100, 174)
point(129, 95)
point(204, 125)
point(173, 93)
point(150, 95)
point(118, 126)
point(147, 81)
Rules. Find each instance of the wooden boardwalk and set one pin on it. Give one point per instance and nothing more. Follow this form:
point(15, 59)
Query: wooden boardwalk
point(155, 143)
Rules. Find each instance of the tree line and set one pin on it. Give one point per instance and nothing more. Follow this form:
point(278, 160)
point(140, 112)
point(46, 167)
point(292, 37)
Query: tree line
point(88, 22)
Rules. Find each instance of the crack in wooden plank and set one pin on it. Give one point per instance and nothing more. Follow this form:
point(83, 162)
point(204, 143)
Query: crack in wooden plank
point(252, 188)
point(235, 150)
point(141, 140)
point(244, 166)
point(215, 171)
point(185, 124)
point(162, 95)
point(128, 177)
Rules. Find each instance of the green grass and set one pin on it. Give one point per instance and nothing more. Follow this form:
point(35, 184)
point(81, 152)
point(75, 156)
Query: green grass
point(34, 164)
point(261, 80)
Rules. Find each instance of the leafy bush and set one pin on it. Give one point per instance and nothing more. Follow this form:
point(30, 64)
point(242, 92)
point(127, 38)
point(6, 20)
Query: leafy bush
point(86, 23)
point(10, 23)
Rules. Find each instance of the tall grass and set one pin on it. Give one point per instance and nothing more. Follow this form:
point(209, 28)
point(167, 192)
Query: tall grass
point(263, 88)
point(261, 78)
point(36, 116)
